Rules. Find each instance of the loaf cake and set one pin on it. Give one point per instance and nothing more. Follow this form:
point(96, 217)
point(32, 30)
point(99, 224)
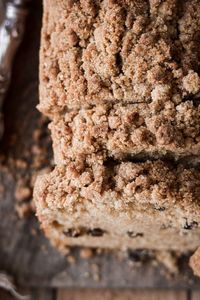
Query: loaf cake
point(119, 80)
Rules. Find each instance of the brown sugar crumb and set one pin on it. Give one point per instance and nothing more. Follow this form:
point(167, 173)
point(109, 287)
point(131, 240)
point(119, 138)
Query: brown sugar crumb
point(33, 159)
point(169, 260)
point(127, 51)
point(195, 262)
point(86, 253)
point(121, 130)
point(165, 134)
point(191, 82)
point(22, 193)
point(21, 164)
point(71, 259)
point(23, 209)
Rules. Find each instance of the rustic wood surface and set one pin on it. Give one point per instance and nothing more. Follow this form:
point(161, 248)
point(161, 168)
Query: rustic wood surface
point(121, 295)
point(29, 258)
point(65, 294)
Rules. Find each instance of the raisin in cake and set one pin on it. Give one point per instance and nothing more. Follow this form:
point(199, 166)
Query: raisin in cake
point(120, 82)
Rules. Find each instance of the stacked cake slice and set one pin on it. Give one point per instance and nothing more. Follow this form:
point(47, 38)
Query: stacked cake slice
point(120, 82)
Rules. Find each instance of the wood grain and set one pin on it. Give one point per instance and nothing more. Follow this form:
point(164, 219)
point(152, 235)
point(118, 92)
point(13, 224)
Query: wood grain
point(195, 295)
point(34, 294)
point(120, 295)
point(104, 294)
point(42, 294)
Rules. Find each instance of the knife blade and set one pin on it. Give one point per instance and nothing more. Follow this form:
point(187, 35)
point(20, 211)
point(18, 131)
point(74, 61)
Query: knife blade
point(11, 34)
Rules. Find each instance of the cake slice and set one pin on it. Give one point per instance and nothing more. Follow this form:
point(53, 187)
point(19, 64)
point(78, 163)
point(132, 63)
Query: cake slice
point(153, 205)
point(109, 51)
point(124, 131)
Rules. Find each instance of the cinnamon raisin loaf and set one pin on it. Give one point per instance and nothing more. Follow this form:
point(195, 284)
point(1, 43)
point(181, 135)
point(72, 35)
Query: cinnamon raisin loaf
point(120, 82)
point(137, 205)
point(127, 51)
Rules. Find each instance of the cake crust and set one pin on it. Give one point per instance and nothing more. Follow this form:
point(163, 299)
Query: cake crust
point(123, 131)
point(107, 51)
point(128, 205)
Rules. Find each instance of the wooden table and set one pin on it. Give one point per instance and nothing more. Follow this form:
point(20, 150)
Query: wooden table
point(22, 254)
point(63, 294)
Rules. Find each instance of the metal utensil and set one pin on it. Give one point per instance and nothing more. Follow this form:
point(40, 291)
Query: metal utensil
point(7, 284)
point(11, 33)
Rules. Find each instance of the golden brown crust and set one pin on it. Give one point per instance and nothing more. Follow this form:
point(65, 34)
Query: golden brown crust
point(134, 204)
point(129, 51)
point(123, 130)
point(80, 179)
